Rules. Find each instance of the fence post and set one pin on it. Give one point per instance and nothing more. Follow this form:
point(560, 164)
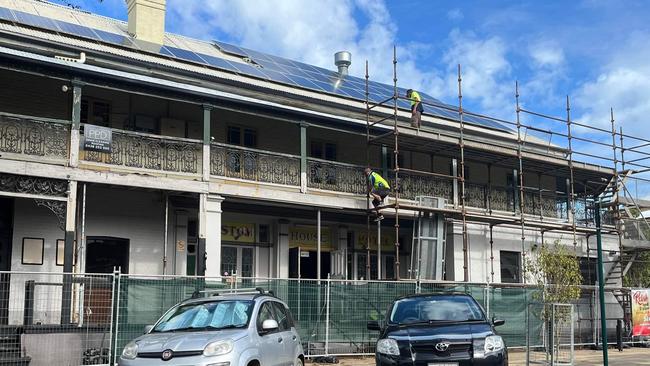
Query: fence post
point(327, 315)
point(116, 310)
point(487, 299)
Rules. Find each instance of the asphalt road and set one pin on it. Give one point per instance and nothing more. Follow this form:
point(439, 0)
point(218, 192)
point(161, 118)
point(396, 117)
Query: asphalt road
point(629, 357)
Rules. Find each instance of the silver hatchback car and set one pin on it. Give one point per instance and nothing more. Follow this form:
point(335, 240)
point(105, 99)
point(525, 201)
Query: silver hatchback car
point(236, 329)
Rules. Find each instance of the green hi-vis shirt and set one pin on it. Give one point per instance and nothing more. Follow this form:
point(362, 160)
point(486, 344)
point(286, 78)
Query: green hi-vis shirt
point(415, 97)
point(377, 181)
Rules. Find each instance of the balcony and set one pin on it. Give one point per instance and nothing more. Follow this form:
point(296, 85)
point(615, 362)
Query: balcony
point(150, 152)
point(229, 161)
point(42, 139)
point(48, 140)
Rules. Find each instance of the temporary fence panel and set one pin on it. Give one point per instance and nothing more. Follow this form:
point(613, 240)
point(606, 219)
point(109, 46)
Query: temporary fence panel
point(550, 335)
point(36, 330)
point(106, 311)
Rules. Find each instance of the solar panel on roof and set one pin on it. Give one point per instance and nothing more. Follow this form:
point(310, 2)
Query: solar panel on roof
point(184, 54)
point(6, 14)
point(250, 70)
point(304, 82)
point(118, 39)
point(218, 62)
point(279, 77)
point(34, 20)
point(228, 48)
point(77, 30)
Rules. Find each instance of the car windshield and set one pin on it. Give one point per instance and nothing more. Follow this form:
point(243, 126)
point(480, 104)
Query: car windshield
point(208, 315)
point(438, 308)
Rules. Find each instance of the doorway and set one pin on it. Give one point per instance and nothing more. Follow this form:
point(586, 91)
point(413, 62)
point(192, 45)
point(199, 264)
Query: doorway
point(6, 238)
point(103, 254)
point(304, 264)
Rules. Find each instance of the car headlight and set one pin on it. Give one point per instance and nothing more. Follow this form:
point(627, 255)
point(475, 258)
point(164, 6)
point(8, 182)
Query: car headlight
point(488, 346)
point(218, 348)
point(388, 346)
point(130, 351)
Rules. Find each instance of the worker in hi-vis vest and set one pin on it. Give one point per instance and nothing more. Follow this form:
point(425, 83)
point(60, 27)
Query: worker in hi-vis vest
point(416, 107)
point(378, 189)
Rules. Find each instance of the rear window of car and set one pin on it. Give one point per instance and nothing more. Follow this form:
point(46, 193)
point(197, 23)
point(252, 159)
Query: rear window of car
point(208, 315)
point(435, 308)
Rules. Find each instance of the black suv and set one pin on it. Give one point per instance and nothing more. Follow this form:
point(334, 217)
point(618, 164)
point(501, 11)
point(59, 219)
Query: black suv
point(438, 330)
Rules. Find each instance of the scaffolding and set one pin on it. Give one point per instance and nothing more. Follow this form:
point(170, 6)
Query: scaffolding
point(388, 129)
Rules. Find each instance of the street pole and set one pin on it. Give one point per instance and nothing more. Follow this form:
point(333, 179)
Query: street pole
point(601, 284)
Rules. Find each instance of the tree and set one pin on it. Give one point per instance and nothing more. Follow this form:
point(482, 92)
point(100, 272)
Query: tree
point(556, 271)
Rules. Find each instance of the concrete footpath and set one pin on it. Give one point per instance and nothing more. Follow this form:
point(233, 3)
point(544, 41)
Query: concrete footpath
point(629, 357)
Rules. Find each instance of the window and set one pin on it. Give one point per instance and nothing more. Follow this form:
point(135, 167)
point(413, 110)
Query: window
point(282, 316)
point(266, 313)
point(323, 150)
point(214, 315)
point(264, 233)
point(33, 251)
point(242, 136)
point(60, 250)
point(95, 112)
point(510, 267)
point(588, 268)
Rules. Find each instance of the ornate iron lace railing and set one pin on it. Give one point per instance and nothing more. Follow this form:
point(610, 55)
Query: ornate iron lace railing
point(139, 150)
point(413, 185)
point(335, 176)
point(252, 164)
point(34, 136)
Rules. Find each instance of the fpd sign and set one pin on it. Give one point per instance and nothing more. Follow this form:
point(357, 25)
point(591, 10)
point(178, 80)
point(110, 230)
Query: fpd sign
point(97, 138)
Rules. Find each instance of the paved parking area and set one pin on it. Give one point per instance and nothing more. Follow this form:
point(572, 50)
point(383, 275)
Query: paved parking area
point(629, 357)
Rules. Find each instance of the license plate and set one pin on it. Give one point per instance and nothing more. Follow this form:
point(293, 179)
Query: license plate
point(444, 364)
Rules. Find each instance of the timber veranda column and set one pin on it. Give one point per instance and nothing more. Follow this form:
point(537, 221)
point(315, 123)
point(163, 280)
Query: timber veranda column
point(68, 252)
point(209, 253)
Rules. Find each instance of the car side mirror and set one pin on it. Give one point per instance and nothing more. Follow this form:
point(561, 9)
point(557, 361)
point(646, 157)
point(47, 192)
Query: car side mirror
point(147, 328)
point(373, 325)
point(498, 322)
point(269, 325)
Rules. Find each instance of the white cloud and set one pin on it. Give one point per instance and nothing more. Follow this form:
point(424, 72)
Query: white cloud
point(455, 15)
point(485, 70)
point(312, 34)
point(546, 54)
point(624, 84)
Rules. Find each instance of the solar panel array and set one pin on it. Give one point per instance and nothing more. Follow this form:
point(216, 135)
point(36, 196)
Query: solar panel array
point(256, 64)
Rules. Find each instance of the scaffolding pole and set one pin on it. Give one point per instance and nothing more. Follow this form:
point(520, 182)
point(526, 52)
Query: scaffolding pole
point(396, 154)
point(522, 218)
point(571, 182)
point(367, 182)
point(462, 177)
point(615, 193)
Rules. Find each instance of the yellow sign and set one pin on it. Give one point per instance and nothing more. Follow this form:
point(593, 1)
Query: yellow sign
point(387, 241)
point(306, 238)
point(238, 232)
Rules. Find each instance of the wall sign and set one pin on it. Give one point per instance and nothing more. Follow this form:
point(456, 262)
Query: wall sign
point(641, 312)
point(306, 238)
point(238, 232)
point(97, 138)
point(387, 240)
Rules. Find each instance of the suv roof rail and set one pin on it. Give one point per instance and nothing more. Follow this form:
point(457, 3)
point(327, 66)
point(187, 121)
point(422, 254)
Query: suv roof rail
point(257, 291)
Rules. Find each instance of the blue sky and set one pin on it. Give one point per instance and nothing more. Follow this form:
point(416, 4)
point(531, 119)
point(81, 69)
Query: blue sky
point(595, 51)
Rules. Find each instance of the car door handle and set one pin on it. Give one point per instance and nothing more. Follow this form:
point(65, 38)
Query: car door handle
point(280, 340)
point(294, 338)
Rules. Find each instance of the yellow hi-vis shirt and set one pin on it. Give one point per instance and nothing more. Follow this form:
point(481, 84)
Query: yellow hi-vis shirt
point(377, 181)
point(415, 97)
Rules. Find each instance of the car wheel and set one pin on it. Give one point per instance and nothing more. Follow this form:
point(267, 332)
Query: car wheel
point(298, 362)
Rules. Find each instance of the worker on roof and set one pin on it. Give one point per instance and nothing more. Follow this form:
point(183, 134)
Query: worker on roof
point(416, 107)
point(378, 189)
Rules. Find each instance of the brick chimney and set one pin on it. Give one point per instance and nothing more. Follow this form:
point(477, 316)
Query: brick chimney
point(147, 20)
